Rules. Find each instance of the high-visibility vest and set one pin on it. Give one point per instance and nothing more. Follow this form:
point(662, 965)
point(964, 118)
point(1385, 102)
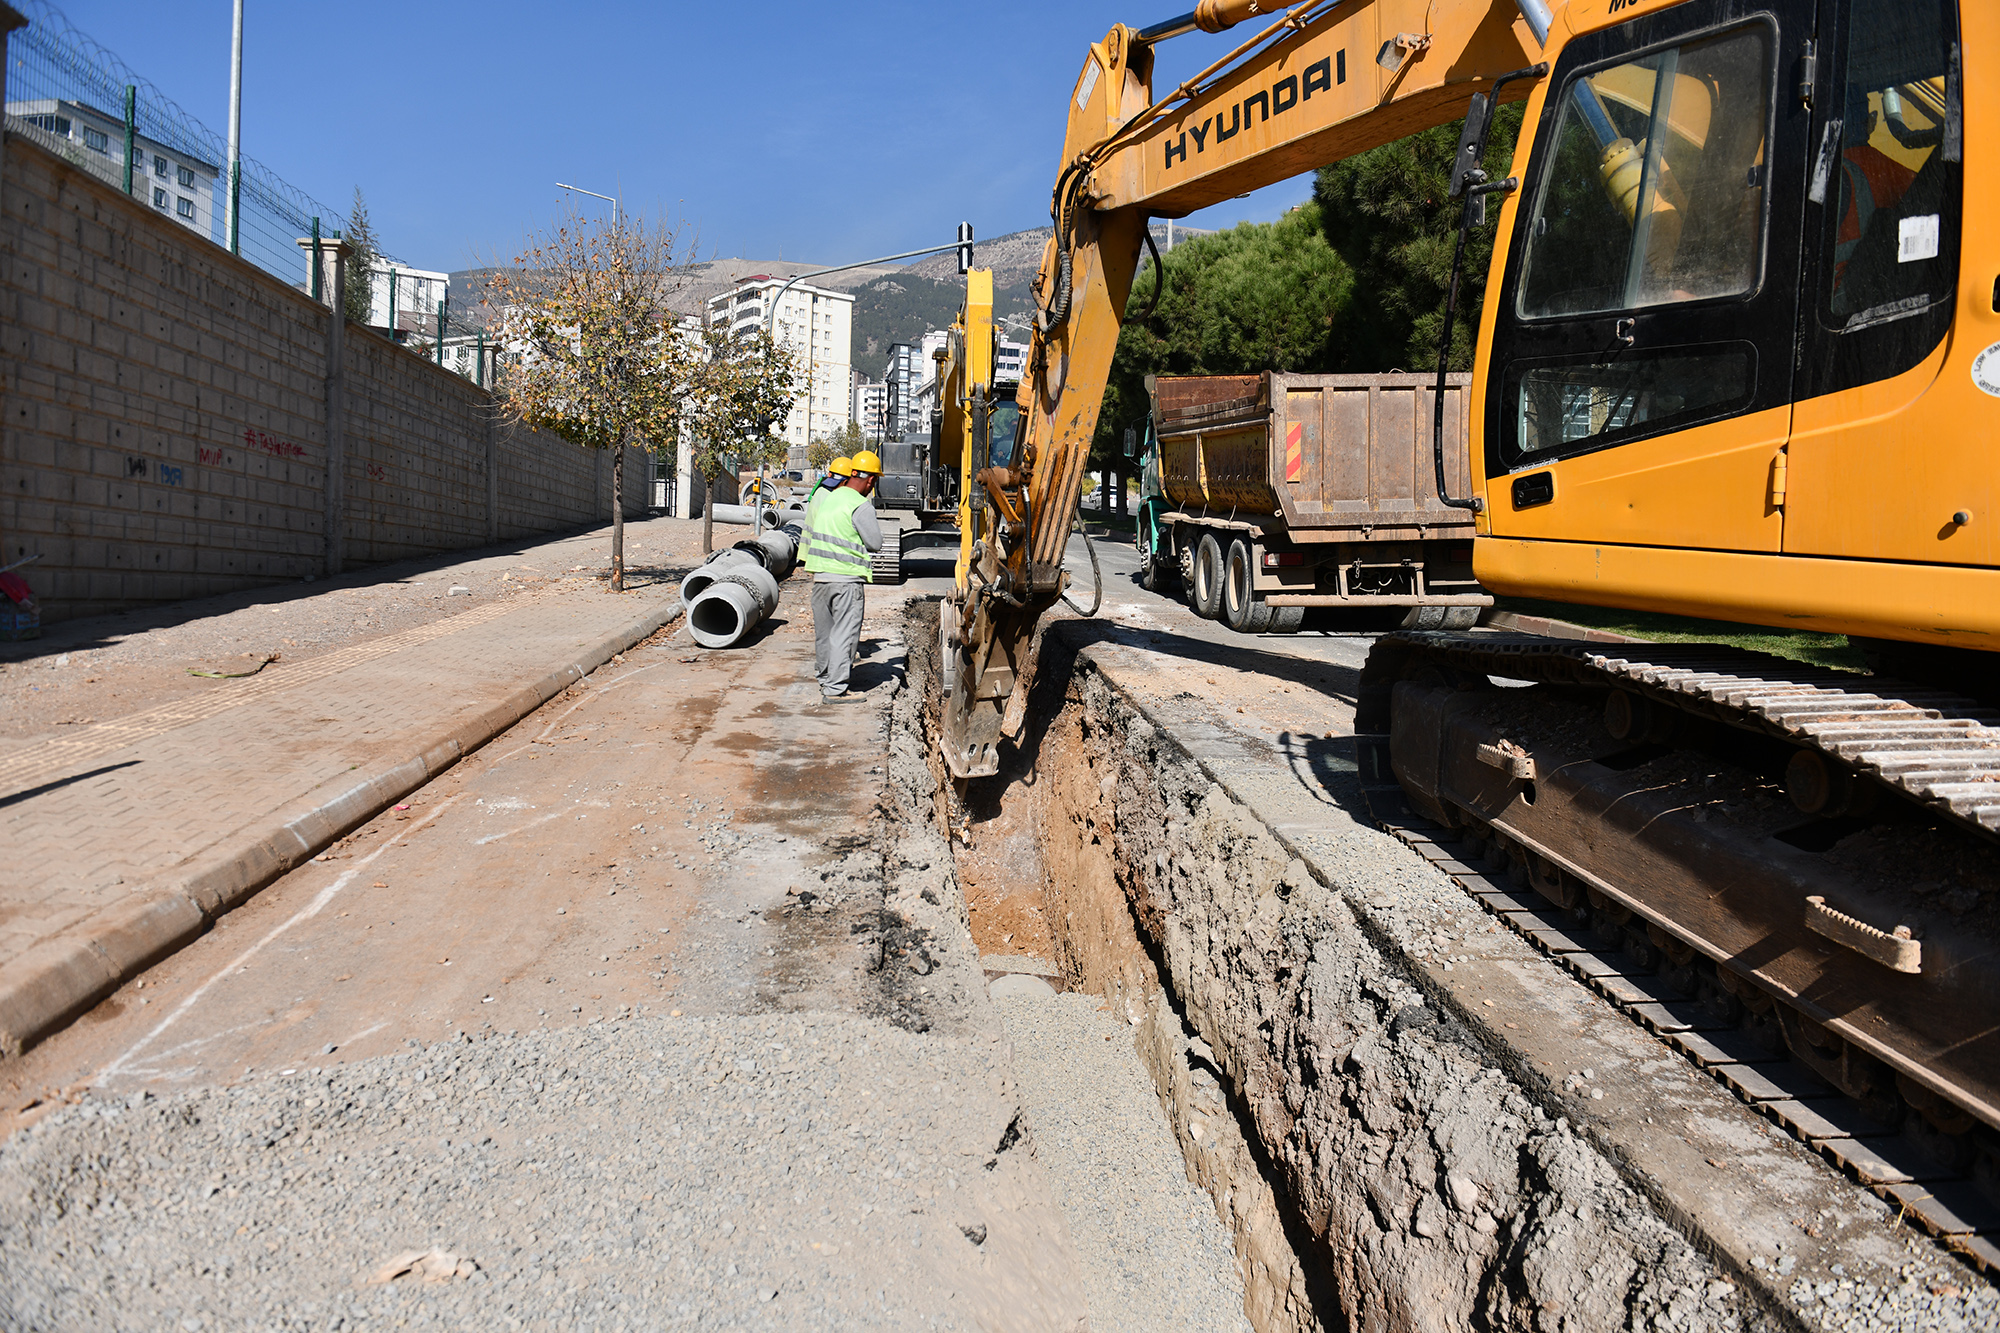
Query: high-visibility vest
point(812, 507)
point(832, 544)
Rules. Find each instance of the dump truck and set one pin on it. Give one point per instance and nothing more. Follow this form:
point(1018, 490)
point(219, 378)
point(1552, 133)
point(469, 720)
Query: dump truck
point(1266, 495)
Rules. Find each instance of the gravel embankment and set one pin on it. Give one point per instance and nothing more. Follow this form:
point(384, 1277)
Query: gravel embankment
point(1153, 1255)
point(768, 1172)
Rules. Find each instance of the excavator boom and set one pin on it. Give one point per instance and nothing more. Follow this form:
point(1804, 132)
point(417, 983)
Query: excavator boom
point(1326, 81)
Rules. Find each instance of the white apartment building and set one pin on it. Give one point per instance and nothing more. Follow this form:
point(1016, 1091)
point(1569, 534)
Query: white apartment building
point(1010, 361)
point(871, 405)
point(903, 380)
point(406, 299)
point(816, 325)
point(175, 183)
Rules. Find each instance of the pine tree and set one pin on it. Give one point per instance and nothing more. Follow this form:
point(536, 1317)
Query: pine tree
point(1261, 296)
point(1388, 215)
point(359, 296)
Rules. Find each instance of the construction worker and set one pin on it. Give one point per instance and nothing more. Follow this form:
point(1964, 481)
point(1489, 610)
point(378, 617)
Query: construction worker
point(841, 532)
point(838, 471)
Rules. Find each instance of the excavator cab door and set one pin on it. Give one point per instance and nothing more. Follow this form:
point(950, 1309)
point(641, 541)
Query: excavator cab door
point(1890, 442)
point(1639, 384)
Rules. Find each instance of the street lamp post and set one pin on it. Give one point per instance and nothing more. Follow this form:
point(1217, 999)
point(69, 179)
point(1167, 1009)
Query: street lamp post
point(594, 195)
point(234, 230)
point(963, 244)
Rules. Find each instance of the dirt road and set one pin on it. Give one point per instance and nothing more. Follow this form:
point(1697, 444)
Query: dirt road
point(542, 1020)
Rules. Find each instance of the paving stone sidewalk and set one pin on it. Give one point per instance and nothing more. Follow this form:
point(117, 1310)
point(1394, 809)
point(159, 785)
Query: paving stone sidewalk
point(126, 838)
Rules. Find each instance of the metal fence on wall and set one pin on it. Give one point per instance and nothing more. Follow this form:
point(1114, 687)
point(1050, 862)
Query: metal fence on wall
point(80, 101)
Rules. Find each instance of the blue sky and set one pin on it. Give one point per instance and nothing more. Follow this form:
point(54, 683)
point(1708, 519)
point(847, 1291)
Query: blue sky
point(827, 132)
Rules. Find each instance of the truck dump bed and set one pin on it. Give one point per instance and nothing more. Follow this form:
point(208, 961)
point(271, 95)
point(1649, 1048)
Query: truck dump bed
point(1335, 457)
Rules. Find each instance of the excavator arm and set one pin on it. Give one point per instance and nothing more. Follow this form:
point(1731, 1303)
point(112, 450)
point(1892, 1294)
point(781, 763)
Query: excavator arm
point(1326, 81)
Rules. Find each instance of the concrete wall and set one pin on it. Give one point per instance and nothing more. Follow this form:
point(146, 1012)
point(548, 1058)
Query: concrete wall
point(165, 413)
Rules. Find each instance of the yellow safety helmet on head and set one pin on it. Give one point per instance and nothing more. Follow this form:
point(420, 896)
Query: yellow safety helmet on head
point(841, 467)
point(868, 461)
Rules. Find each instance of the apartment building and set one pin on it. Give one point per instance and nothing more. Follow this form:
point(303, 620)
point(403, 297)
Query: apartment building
point(871, 405)
point(177, 184)
point(816, 324)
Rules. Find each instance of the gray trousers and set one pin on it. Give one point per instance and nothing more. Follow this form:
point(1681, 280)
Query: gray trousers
point(837, 611)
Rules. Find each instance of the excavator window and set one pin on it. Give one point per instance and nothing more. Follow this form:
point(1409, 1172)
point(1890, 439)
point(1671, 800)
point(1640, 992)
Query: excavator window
point(1886, 178)
point(1653, 195)
point(1656, 190)
point(1003, 418)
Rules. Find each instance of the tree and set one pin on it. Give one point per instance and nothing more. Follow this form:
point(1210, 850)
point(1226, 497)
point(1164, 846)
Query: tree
point(735, 394)
point(358, 300)
point(1271, 296)
point(1387, 213)
point(602, 361)
point(846, 442)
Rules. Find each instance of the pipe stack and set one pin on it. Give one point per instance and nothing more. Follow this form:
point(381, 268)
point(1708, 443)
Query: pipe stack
point(744, 514)
point(730, 594)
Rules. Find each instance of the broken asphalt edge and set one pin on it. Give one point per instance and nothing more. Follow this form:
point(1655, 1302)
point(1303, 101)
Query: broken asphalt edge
point(58, 979)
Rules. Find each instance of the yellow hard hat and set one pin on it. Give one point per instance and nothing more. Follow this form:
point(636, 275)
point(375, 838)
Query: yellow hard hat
point(868, 461)
point(841, 467)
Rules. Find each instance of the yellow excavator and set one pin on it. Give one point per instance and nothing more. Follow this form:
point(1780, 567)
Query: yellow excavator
point(1739, 359)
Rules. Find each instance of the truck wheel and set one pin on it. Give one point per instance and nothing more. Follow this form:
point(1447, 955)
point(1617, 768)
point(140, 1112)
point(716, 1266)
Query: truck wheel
point(1154, 572)
point(1205, 592)
point(1461, 617)
point(1242, 609)
point(1287, 619)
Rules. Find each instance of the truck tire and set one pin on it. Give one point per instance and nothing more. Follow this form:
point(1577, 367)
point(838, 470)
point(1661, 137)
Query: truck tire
point(1287, 619)
point(1460, 617)
point(1205, 592)
point(1242, 609)
point(1155, 572)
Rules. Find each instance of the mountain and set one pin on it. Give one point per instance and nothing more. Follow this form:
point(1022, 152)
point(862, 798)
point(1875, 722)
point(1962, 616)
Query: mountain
point(892, 303)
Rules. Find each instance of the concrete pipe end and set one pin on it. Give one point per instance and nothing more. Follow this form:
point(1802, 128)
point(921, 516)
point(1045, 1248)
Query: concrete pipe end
point(720, 617)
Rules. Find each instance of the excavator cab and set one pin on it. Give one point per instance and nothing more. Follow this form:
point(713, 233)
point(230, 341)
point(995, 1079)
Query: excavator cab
point(1714, 358)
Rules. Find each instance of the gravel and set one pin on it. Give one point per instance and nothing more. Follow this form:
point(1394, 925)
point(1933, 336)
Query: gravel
point(1154, 1256)
point(765, 1172)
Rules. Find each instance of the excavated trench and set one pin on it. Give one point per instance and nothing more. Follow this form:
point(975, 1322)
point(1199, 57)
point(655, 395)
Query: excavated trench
point(1374, 1164)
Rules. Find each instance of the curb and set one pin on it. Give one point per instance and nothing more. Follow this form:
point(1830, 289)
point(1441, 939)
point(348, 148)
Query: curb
point(59, 978)
point(1552, 629)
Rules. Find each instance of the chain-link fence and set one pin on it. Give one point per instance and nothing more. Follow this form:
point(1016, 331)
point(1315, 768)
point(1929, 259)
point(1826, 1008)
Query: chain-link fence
point(80, 101)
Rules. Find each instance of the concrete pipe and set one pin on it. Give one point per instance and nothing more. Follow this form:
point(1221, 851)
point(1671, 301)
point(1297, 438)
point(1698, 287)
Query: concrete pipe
point(745, 515)
point(714, 568)
point(732, 606)
point(775, 551)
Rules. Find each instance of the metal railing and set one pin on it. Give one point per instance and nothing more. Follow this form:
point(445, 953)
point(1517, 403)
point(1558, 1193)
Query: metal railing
point(76, 98)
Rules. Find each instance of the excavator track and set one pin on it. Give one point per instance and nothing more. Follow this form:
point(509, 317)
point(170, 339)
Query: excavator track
point(1937, 748)
point(1648, 806)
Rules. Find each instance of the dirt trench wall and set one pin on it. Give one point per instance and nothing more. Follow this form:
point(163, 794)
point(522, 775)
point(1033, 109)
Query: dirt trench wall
point(1378, 1170)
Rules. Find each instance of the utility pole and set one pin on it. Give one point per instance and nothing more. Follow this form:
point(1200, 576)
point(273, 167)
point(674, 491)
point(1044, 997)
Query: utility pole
point(235, 231)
